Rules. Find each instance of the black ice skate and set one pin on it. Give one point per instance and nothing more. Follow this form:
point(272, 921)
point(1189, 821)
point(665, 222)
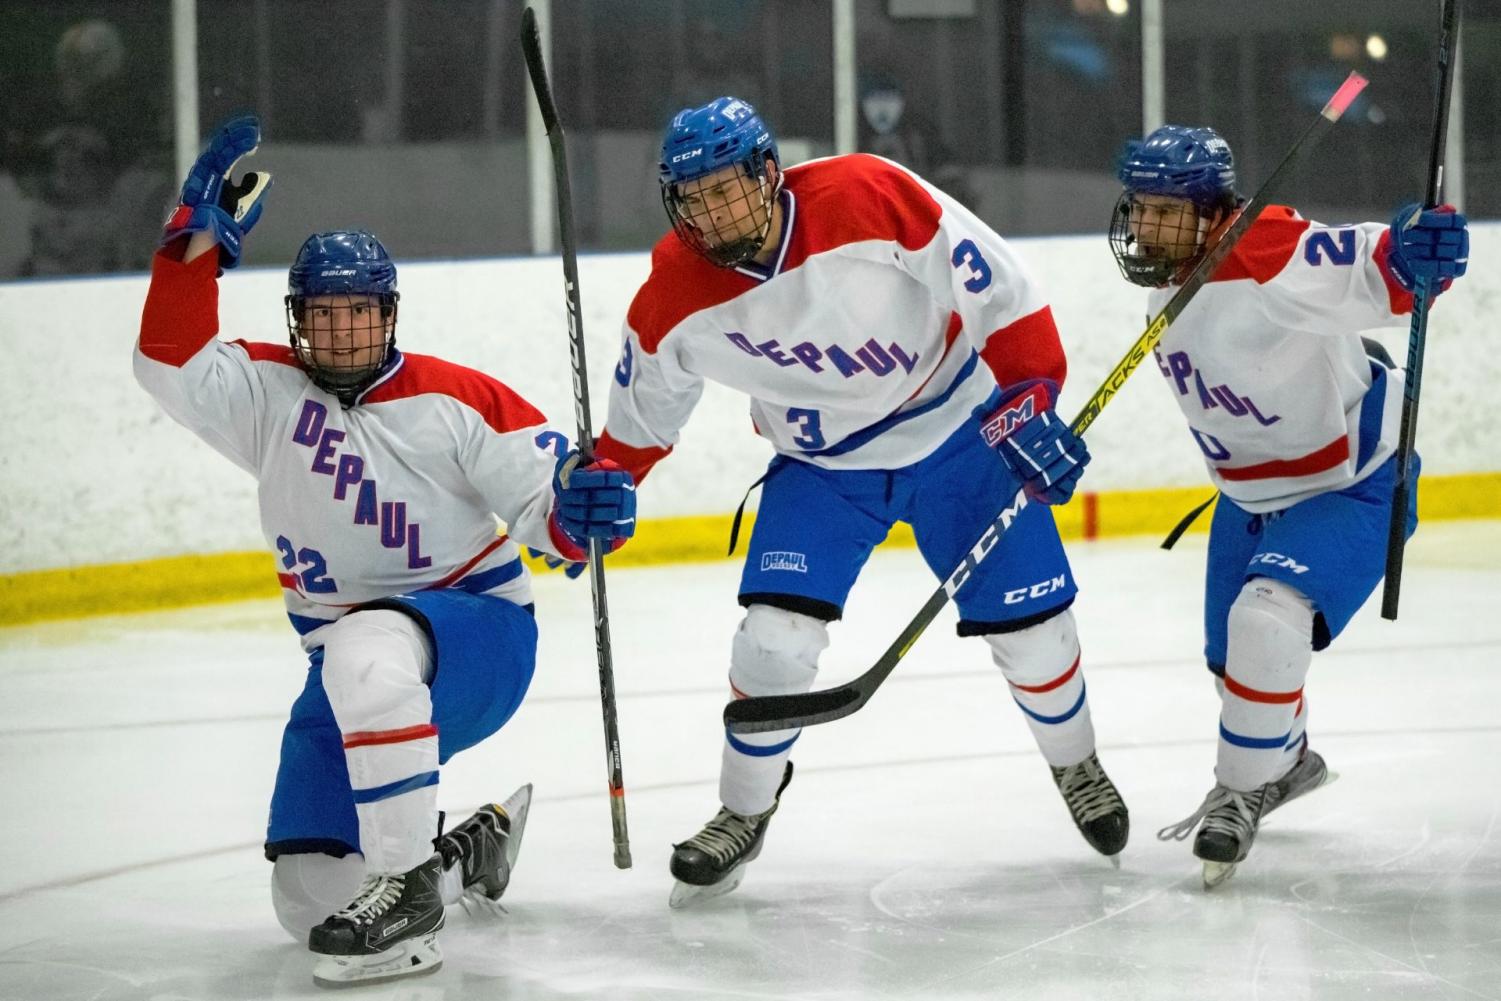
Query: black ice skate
point(485, 847)
point(389, 930)
point(1306, 775)
point(1230, 820)
point(713, 861)
point(1096, 806)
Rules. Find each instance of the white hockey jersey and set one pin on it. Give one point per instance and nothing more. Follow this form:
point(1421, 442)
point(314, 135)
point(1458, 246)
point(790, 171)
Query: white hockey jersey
point(888, 315)
point(393, 495)
point(1268, 366)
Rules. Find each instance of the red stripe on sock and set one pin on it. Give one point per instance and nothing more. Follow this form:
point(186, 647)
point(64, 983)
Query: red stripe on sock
point(1057, 682)
point(1253, 695)
point(365, 738)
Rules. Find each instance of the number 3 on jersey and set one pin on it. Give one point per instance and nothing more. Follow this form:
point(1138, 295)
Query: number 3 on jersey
point(807, 423)
point(967, 254)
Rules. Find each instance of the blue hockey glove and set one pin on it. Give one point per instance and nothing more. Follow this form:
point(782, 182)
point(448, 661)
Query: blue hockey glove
point(1428, 243)
point(211, 200)
point(597, 501)
point(573, 570)
point(1036, 444)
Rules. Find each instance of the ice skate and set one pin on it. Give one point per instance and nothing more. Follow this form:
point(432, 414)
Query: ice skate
point(1306, 775)
point(712, 862)
point(1230, 820)
point(1096, 806)
point(486, 846)
point(389, 930)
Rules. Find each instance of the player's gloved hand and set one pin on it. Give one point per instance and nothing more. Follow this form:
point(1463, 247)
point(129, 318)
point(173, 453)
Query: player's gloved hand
point(1428, 243)
point(571, 569)
point(211, 200)
point(1035, 443)
point(597, 501)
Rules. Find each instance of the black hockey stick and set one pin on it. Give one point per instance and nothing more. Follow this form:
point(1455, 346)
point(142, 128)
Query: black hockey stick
point(782, 712)
point(531, 46)
point(1417, 334)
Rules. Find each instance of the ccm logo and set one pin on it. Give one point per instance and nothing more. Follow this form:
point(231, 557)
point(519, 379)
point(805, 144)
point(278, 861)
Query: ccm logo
point(1037, 590)
point(688, 155)
point(1278, 560)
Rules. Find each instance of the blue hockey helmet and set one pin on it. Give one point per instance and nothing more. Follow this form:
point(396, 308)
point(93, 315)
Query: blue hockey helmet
point(1152, 243)
point(1191, 163)
point(344, 340)
point(726, 132)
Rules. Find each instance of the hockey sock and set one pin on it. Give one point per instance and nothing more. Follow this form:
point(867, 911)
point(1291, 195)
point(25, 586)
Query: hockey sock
point(374, 663)
point(1270, 649)
point(1041, 664)
point(775, 652)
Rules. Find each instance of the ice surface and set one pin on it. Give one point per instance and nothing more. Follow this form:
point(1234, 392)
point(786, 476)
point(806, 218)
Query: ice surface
point(921, 851)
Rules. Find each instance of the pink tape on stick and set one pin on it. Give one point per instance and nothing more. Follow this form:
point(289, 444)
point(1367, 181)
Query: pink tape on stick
point(1344, 97)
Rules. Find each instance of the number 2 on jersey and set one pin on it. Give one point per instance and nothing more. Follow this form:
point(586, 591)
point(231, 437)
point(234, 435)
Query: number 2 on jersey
point(312, 579)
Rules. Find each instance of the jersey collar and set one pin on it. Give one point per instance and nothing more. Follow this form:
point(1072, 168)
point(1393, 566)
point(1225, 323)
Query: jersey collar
point(764, 272)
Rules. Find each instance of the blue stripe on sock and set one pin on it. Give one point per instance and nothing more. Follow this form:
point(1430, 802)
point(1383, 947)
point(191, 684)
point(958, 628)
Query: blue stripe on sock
point(1256, 743)
point(757, 751)
point(420, 781)
point(1056, 719)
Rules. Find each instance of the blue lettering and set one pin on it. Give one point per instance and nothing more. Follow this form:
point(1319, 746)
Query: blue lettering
point(627, 360)
point(351, 470)
point(393, 524)
point(415, 559)
point(743, 343)
point(1230, 401)
point(808, 355)
point(875, 357)
point(364, 504)
point(1322, 243)
point(901, 356)
point(1180, 368)
point(846, 365)
point(1263, 421)
point(968, 254)
point(770, 350)
point(1205, 400)
point(310, 423)
point(326, 448)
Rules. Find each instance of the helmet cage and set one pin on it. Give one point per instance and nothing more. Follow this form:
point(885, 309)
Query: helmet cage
point(344, 366)
point(743, 220)
point(1155, 264)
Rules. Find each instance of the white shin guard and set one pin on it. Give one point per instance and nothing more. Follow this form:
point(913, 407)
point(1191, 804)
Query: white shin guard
point(308, 889)
point(775, 652)
point(374, 668)
point(1041, 663)
point(1266, 663)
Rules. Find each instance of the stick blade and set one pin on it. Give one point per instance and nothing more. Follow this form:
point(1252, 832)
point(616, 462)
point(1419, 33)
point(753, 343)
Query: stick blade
point(786, 712)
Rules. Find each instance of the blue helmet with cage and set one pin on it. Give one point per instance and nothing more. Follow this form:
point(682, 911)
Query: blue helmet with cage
point(726, 132)
point(343, 338)
point(1194, 164)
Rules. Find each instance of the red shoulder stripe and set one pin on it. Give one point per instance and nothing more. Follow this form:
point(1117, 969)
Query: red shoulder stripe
point(501, 407)
point(681, 284)
point(281, 354)
point(855, 198)
point(1027, 349)
point(1266, 248)
point(181, 314)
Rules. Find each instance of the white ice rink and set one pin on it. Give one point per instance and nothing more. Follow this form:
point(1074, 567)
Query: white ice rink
point(921, 852)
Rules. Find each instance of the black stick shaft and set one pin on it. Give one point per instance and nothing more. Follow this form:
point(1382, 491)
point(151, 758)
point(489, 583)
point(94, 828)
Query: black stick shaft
point(783, 712)
point(531, 45)
point(1417, 334)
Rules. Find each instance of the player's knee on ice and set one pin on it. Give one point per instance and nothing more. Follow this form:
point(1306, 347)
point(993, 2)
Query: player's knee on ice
point(1270, 631)
point(1034, 655)
point(775, 651)
point(307, 888)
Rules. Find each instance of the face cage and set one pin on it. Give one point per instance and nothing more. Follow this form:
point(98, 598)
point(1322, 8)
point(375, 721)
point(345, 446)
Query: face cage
point(730, 250)
point(1157, 269)
point(344, 378)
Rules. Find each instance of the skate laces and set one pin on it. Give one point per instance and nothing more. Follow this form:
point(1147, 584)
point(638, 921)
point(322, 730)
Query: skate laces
point(726, 835)
point(1224, 810)
point(376, 895)
point(1088, 792)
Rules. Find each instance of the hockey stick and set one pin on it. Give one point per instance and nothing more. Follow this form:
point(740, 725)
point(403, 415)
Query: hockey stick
point(782, 712)
point(1417, 334)
point(531, 46)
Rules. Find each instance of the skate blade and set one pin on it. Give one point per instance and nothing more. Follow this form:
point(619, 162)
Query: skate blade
point(684, 894)
point(412, 958)
point(1216, 873)
point(1114, 860)
point(516, 808)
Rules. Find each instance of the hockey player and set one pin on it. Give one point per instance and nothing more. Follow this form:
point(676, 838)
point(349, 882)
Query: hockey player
point(1298, 425)
point(904, 366)
point(378, 474)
